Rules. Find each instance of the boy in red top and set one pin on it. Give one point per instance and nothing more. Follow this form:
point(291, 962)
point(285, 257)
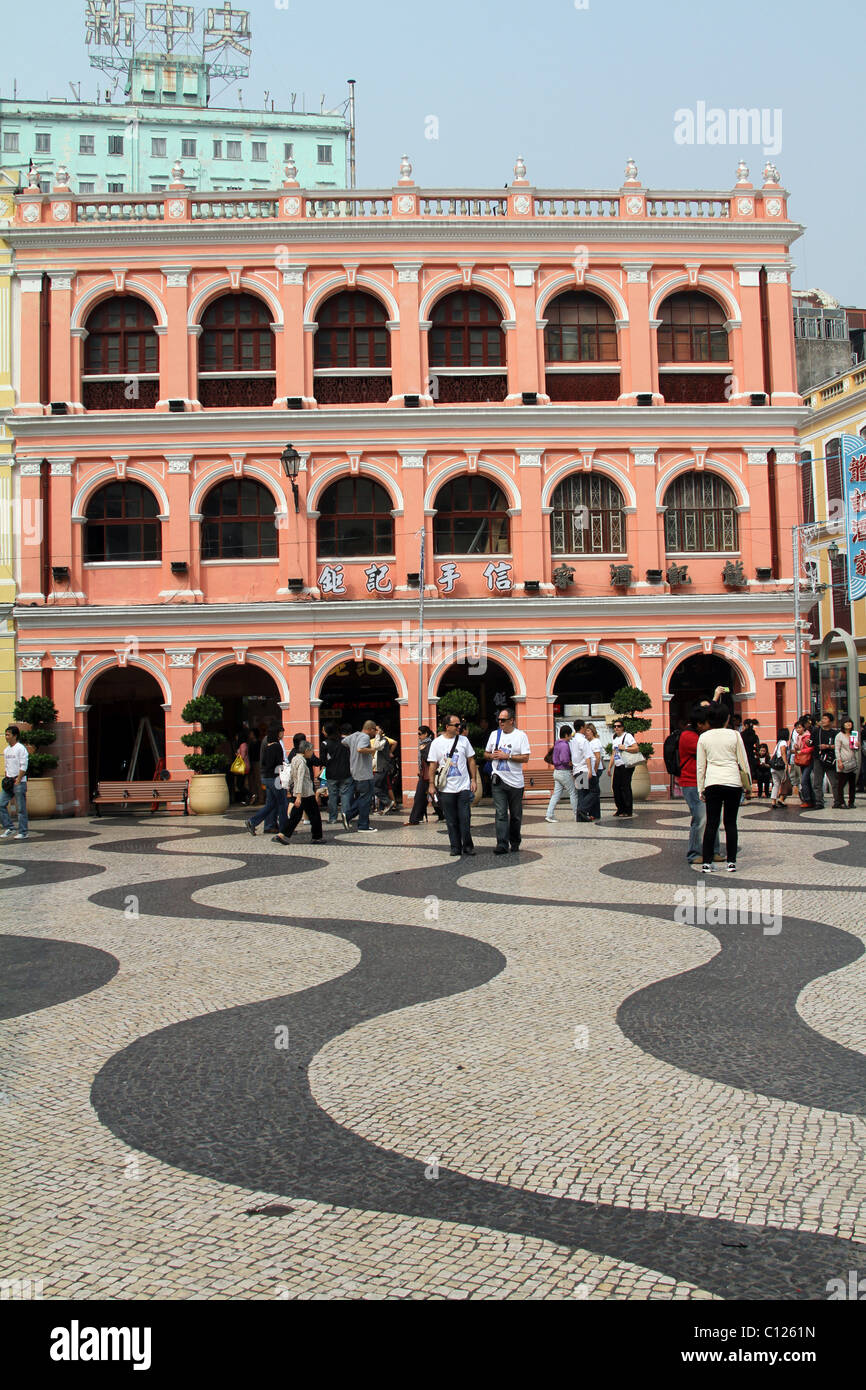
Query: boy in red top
point(688, 780)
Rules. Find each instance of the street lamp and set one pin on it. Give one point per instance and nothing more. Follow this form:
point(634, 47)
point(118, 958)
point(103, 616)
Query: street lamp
point(291, 461)
point(833, 552)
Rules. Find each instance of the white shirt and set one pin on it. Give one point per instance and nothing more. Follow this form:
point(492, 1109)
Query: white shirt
point(16, 759)
point(458, 770)
point(721, 757)
point(597, 752)
point(580, 752)
point(515, 742)
point(622, 741)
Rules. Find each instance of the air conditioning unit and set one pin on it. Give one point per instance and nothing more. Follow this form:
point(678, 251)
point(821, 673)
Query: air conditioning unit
point(645, 398)
point(412, 402)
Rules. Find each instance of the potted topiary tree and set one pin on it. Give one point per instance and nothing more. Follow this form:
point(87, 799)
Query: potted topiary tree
point(40, 713)
point(626, 702)
point(464, 703)
point(208, 788)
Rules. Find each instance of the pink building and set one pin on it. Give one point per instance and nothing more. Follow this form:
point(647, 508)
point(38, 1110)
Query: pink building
point(585, 403)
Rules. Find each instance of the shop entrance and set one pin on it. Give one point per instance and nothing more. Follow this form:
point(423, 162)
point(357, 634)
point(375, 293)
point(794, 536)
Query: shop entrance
point(694, 680)
point(125, 708)
point(249, 696)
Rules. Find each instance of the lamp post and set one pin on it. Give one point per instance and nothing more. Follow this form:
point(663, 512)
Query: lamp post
point(291, 461)
point(833, 555)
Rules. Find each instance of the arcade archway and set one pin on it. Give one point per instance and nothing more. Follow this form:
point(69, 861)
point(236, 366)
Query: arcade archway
point(249, 697)
point(356, 691)
point(695, 679)
point(492, 688)
point(584, 687)
point(125, 714)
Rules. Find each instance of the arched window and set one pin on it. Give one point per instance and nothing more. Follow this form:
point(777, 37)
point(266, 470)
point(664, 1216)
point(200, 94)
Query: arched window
point(580, 328)
point(122, 525)
point(471, 518)
point(587, 516)
point(692, 329)
point(700, 514)
point(354, 519)
point(352, 332)
point(466, 332)
point(236, 353)
point(352, 361)
point(121, 356)
point(238, 522)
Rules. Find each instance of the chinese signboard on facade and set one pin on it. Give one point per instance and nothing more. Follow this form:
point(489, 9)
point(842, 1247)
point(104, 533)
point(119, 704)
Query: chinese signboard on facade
point(854, 491)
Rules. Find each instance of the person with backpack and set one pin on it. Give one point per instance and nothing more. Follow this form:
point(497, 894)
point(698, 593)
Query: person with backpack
point(671, 750)
point(687, 755)
point(824, 762)
point(451, 771)
point(338, 778)
point(559, 758)
point(779, 769)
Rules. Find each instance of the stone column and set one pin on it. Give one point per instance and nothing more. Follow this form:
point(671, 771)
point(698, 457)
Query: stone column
point(645, 531)
point(180, 673)
point(523, 339)
point(750, 335)
point(754, 525)
point(177, 530)
point(406, 369)
point(783, 362)
point(62, 344)
point(174, 353)
point(529, 555)
point(29, 393)
point(643, 374)
point(290, 345)
point(299, 673)
point(62, 550)
point(31, 519)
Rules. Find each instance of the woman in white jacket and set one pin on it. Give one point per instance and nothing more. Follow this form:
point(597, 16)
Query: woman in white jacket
point(723, 776)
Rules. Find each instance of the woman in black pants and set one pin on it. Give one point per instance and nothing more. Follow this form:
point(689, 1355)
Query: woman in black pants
point(723, 776)
point(620, 774)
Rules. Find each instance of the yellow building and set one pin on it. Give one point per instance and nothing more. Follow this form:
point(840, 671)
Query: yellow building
point(838, 407)
point(8, 510)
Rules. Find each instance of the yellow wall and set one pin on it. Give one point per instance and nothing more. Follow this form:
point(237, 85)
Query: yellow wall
point(839, 407)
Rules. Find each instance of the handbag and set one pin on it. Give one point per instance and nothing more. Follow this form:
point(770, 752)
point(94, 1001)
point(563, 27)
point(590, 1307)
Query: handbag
point(803, 758)
point(9, 785)
point(746, 779)
point(238, 767)
point(631, 756)
point(440, 780)
point(283, 776)
point(777, 763)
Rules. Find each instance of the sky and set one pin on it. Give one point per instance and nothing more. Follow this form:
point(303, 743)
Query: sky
point(574, 86)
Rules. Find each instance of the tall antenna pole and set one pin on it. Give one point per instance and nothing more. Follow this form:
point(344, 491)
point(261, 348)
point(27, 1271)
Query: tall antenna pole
point(421, 710)
point(351, 81)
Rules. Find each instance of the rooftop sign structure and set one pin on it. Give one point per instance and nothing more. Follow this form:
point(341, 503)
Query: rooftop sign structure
point(119, 31)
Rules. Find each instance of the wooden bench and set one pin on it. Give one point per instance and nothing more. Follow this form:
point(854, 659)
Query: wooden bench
point(538, 782)
point(154, 794)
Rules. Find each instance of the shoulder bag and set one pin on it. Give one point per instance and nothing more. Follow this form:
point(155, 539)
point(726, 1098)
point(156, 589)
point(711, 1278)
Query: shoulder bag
point(238, 767)
point(440, 781)
point(631, 756)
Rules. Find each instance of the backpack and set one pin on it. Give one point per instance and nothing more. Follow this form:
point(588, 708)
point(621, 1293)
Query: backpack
point(671, 754)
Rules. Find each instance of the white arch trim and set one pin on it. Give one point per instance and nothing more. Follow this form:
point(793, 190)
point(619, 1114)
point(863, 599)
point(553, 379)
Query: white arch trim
point(709, 282)
point(213, 289)
point(111, 662)
point(221, 473)
point(252, 659)
point(500, 658)
point(741, 492)
point(107, 289)
point(448, 282)
point(575, 465)
point(341, 470)
point(109, 475)
point(489, 470)
point(341, 281)
point(370, 654)
point(569, 282)
point(613, 654)
point(746, 674)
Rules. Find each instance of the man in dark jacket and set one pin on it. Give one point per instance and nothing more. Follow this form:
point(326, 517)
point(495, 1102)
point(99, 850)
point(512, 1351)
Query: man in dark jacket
point(335, 756)
point(273, 756)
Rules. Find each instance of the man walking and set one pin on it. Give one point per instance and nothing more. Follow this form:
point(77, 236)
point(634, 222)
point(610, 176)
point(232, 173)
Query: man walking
point(506, 751)
point(337, 773)
point(273, 756)
point(453, 749)
point(360, 746)
point(15, 758)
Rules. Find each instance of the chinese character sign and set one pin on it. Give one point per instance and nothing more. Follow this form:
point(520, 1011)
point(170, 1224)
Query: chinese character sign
point(331, 580)
point(169, 19)
point(228, 26)
point(498, 576)
point(377, 579)
point(853, 477)
point(448, 576)
point(108, 21)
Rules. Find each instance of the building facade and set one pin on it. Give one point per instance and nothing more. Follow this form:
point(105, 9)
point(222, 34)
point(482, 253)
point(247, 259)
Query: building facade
point(584, 404)
point(114, 148)
point(8, 512)
point(839, 626)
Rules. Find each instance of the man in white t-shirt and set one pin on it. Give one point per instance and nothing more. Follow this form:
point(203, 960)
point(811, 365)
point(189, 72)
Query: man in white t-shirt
point(15, 760)
point(455, 798)
point(581, 756)
point(506, 751)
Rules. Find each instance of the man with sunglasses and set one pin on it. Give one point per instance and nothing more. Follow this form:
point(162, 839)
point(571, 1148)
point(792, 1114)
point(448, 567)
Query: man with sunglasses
point(620, 773)
point(506, 750)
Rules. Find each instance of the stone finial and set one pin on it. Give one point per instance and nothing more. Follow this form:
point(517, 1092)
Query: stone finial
point(33, 178)
point(177, 174)
point(405, 167)
point(520, 167)
point(291, 171)
point(771, 173)
point(631, 171)
point(61, 179)
point(742, 172)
